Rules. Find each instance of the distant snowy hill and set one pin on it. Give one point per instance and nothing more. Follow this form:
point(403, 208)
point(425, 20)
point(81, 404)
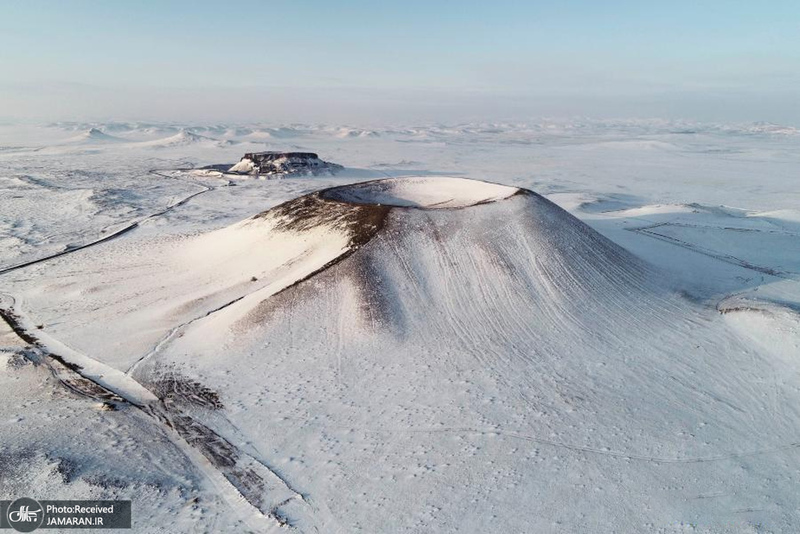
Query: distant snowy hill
point(94, 136)
point(182, 138)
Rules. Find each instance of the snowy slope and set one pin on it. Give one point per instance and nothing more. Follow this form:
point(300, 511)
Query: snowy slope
point(177, 280)
point(461, 347)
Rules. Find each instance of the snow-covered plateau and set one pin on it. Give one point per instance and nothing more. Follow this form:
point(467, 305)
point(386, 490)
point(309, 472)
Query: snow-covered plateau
point(557, 326)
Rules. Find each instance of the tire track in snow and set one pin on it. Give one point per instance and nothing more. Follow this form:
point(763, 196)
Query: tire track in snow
point(726, 258)
point(129, 227)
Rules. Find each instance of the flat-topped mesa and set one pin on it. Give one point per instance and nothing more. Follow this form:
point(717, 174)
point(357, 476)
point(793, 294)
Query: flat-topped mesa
point(282, 163)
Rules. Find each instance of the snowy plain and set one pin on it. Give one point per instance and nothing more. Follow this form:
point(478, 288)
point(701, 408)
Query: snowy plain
point(429, 353)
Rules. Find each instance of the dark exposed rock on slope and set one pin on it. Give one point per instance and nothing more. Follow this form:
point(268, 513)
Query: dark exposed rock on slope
point(283, 163)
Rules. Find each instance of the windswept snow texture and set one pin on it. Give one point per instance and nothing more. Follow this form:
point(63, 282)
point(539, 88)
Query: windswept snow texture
point(420, 343)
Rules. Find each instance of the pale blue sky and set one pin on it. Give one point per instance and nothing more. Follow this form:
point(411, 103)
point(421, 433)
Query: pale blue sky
point(362, 61)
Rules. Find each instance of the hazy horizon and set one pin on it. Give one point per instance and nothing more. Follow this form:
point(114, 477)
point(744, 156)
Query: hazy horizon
point(399, 62)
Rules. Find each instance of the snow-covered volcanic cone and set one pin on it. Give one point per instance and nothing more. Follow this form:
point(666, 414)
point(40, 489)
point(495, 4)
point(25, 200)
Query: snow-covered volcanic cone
point(472, 358)
point(400, 251)
point(442, 354)
point(93, 136)
point(182, 138)
point(421, 193)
